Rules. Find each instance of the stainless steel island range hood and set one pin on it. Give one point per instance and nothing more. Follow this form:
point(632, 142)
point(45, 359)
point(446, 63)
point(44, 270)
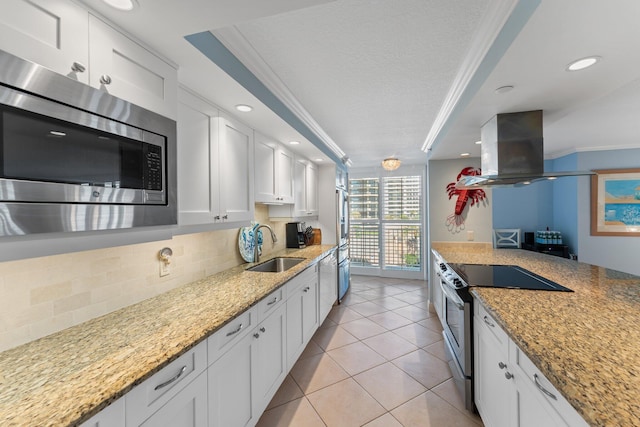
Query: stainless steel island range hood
point(511, 153)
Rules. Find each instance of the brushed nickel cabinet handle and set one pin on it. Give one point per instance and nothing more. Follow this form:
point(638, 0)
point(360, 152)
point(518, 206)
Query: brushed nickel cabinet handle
point(486, 320)
point(235, 331)
point(105, 79)
point(542, 389)
point(275, 300)
point(170, 380)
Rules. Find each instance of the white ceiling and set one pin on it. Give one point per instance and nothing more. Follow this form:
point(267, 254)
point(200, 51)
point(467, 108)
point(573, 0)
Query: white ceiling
point(379, 77)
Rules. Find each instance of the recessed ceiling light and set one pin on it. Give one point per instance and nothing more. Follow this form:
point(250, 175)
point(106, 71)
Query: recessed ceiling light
point(551, 178)
point(504, 89)
point(124, 5)
point(244, 108)
point(526, 182)
point(294, 142)
point(478, 142)
point(57, 133)
point(583, 63)
point(318, 160)
point(465, 154)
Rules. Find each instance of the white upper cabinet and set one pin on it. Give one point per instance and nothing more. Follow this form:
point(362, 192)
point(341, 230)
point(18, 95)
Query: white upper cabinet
point(273, 172)
point(215, 166)
point(127, 70)
point(235, 168)
point(52, 33)
point(305, 192)
point(64, 37)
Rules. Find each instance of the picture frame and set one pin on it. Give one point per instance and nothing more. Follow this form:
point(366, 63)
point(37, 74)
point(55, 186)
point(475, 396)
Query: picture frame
point(615, 202)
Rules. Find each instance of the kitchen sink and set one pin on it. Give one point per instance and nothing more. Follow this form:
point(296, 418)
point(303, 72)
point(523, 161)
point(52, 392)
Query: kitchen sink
point(276, 265)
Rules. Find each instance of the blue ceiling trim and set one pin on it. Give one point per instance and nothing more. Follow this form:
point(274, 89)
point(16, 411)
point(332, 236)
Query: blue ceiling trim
point(515, 23)
point(213, 49)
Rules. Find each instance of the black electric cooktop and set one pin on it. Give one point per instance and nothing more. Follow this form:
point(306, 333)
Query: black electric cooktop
point(504, 276)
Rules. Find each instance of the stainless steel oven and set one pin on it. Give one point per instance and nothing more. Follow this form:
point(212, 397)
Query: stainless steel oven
point(458, 334)
point(74, 158)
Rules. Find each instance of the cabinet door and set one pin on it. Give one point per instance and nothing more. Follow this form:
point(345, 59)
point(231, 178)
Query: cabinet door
point(265, 170)
point(272, 361)
point(135, 74)
point(235, 168)
point(230, 386)
point(195, 157)
point(111, 416)
point(284, 175)
point(295, 335)
point(312, 189)
point(328, 285)
point(187, 409)
point(299, 188)
point(310, 308)
point(52, 33)
point(493, 391)
point(532, 410)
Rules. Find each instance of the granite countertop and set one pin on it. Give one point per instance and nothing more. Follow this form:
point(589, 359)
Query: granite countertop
point(587, 343)
point(67, 377)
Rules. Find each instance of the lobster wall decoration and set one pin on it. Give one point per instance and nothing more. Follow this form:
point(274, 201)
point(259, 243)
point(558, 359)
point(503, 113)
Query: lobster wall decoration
point(455, 221)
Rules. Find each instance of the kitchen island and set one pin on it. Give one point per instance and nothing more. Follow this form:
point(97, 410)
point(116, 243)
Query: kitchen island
point(586, 343)
point(67, 377)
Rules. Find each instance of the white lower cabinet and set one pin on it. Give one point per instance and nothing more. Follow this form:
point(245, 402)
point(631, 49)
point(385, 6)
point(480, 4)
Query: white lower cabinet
point(509, 389)
point(229, 379)
point(111, 416)
point(166, 391)
point(187, 409)
point(302, 312)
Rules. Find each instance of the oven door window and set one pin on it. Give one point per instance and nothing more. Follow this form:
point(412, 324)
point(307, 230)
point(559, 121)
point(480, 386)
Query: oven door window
point(454, 316)
point(37, 148)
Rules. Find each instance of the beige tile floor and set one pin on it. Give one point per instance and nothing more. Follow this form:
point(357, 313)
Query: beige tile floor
point(377, 361)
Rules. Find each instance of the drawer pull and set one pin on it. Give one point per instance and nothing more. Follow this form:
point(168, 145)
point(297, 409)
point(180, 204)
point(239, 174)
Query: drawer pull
point(236, 331)
point(306, 289)
point(501, 365)
point(508, 375)
point(542, 389)
point(170, 380)
point(486, 320)
point(263, 330)
point(275, 300)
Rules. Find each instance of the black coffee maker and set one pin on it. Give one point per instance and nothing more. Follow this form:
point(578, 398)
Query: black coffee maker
point(295, 235)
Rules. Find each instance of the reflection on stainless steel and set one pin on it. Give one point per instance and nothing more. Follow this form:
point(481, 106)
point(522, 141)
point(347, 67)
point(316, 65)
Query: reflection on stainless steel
point(34, 206)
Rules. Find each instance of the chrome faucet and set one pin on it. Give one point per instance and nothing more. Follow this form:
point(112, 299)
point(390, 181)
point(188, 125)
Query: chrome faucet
point(256, 255)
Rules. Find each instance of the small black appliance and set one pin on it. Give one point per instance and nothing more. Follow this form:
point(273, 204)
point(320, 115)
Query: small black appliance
point(295, 234)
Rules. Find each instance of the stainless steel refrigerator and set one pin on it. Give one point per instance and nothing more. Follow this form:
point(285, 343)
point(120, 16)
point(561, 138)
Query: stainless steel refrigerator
point(342, 228)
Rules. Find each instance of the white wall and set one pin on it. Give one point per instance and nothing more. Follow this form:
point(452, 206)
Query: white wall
point(478, 218)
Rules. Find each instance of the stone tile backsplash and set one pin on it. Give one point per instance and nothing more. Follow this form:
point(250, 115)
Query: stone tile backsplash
point(40, 296)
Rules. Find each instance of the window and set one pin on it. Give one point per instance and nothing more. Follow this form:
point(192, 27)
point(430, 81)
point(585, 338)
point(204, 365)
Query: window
point(386, 222)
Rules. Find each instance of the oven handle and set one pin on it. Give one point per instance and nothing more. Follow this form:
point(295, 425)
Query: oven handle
point(455, 298)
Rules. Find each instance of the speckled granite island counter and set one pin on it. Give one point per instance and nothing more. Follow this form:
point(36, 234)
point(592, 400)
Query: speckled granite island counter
point(67, 377)
point(587, 343)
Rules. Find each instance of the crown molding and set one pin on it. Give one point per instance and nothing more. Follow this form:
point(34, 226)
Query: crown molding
point(233, 39)
point(490, 42)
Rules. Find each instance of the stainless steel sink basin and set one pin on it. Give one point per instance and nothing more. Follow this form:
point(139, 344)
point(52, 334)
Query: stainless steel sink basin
point(276, 265)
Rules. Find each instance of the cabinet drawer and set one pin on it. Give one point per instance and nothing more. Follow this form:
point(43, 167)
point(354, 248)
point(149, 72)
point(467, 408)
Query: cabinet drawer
point(229, 334)
point(307, 277)
point(268, 304)
point(153, 393)
point(483, 317)
point(533, 375)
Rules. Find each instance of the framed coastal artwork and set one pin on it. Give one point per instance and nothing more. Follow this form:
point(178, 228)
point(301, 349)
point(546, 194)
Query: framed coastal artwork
point(615, 202)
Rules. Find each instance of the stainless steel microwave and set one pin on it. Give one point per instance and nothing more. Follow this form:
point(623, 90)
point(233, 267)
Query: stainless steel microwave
point(74, 158)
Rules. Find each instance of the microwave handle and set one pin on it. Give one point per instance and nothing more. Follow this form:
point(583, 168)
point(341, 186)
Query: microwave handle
point(452, 295)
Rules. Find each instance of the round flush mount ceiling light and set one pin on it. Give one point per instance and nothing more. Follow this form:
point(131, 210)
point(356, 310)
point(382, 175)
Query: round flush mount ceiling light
point(478, 142)
point(294, 142)
point(124, 5)
point(465, 154)
point(581, 64)
point(504, 89)
point(244, 108)
point(391, 163)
